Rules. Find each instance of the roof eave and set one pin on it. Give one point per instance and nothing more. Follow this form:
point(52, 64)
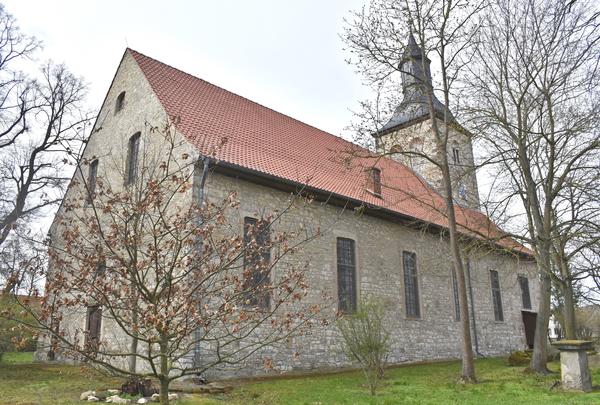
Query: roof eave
point(332, 198)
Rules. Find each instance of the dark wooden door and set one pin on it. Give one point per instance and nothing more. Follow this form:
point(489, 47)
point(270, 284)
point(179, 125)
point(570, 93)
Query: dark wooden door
point(94, 323)
point(529, 320)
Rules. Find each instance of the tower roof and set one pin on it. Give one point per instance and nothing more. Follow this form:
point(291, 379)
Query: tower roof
point(412, 50)
point(416, 82)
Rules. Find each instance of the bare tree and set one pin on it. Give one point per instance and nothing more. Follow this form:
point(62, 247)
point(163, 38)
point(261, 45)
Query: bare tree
point(23, 262)
point(167, 274)
point(533, 85)
point(376, 36)
point(41, 128)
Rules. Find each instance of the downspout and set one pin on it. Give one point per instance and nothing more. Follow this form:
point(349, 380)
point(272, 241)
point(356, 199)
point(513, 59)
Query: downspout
point(475, 339)
point(198, 331)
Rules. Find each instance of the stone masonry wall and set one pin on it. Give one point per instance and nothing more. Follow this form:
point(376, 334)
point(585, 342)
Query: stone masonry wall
point(379, 246)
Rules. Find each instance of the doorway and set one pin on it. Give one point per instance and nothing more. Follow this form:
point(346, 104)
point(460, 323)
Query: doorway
point(529, 320)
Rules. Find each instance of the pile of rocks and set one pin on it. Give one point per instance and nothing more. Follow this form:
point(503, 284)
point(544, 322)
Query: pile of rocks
point(112, 396)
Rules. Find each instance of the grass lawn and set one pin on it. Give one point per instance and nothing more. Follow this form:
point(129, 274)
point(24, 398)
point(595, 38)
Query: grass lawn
point(23, 382)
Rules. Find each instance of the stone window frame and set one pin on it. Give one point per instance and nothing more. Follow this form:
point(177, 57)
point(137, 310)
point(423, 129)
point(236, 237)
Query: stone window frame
point(416, 276)
point(354, 293)
point(91, 180)
point(120, 102)
point(520, 277)
point(90, 309)
point(496, 296)
point(357, 268)
point(263, 302)
point(455, 155)
point(132, 162)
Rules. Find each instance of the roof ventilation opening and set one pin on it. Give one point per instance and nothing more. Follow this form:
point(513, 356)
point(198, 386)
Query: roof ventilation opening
point(374, 181)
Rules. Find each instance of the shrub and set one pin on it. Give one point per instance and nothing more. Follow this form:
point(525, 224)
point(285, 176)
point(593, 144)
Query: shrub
point(14, 337)
point(366, 339)
point(519, 358)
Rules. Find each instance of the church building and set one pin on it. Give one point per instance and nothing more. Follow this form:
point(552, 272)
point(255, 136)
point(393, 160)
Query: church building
point(384, 228)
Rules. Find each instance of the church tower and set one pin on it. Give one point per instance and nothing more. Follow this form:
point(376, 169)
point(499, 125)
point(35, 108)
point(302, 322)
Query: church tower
point(409, 130)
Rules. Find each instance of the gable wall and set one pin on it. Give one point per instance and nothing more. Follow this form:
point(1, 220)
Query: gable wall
point(109, 143)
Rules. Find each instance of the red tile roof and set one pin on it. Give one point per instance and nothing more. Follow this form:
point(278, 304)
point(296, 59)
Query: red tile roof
point(243, 133)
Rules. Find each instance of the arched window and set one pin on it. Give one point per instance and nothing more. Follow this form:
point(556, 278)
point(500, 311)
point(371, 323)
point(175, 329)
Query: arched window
point(91, 181)
point(133, 149)
point(346, 274)
point(455, 153)
point(257, 262)
point(120, 102)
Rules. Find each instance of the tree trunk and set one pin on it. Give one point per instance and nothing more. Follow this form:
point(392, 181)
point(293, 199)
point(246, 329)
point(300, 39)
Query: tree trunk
point(539, 359)
point(134, 340)
point(164, 390)
point(566, 289)
point(468, 366)
point(163, 377)
point(569, 310)
point(133, 356)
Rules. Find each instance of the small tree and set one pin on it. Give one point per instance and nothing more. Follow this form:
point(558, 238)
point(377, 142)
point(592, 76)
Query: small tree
point(182, 289)
point(366, 339)
point(15, 336)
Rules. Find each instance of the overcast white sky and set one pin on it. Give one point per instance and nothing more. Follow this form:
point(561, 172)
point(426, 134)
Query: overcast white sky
point(284, 54)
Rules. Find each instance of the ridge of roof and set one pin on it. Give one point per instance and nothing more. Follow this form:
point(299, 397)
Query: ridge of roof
point(133, 51)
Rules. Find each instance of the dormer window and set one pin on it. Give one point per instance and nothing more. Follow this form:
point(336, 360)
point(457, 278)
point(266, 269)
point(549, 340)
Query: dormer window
point(374, 181)
point(120, 103)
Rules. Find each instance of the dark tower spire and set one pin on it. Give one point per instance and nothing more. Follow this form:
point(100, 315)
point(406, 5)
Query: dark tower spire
point(416, 83)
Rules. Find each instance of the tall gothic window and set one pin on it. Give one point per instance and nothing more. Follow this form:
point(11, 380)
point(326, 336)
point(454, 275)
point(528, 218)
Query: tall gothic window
point(91, 181)
point(455, 295)
point(525, 297)
point(133, 150)
point(257, 262)
point(346, 272)
point(411, 285)
point(496, 296)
